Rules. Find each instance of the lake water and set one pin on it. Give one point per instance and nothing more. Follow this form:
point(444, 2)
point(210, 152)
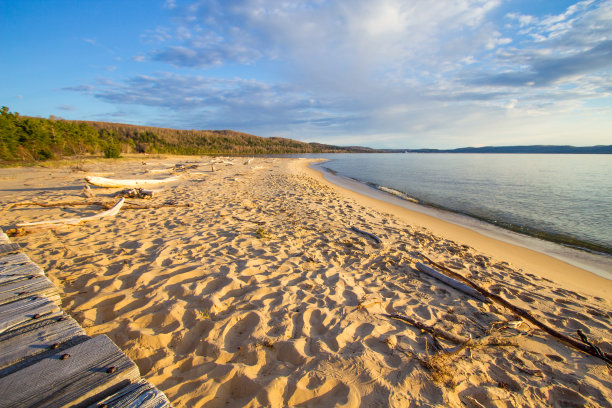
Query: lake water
point(561, 198)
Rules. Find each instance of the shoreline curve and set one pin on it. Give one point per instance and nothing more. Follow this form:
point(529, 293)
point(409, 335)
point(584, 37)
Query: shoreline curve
point(583, 274)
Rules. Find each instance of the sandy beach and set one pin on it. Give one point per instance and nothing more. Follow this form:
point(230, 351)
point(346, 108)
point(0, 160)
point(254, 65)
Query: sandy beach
point(259, 293)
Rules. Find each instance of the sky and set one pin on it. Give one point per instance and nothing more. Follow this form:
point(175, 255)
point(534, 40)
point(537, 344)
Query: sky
point(377, 73)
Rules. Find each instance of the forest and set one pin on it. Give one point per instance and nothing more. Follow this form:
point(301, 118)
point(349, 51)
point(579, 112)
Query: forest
point(27, 139)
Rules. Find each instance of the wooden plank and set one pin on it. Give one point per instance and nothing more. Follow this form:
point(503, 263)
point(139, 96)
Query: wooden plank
point(25, 346)
point(13, 272)
point(15, 313)
point(81, 379)
point(21, 288)
point(18, 264)
point(140, 394)
point(13, 259)
point(18, 272)
point(9, 248)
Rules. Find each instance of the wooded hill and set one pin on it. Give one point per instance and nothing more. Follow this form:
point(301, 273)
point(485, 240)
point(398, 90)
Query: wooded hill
point(25, 138)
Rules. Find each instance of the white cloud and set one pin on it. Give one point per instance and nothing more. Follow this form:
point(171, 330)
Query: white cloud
point(170, 4)
point(429, 70)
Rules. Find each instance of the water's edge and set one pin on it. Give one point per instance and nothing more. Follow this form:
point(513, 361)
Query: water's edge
point(564, 240)
point(595, 262)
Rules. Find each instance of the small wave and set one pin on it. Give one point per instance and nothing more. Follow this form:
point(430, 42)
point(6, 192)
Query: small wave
point(398, 194)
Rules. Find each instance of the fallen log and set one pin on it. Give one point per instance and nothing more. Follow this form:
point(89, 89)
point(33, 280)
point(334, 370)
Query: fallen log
point(112, 183)
point(75, 221)
point(607, 357)
point(452, 282)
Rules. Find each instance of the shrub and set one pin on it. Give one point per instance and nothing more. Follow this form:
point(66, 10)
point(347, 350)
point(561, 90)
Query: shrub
point(112, 151)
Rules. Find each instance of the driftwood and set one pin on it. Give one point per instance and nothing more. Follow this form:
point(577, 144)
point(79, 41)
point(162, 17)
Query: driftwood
point(179, 167)
point(589, 349)
point(103, 204)
point(87, 191)
point(170, 203)
point(135, 193)
point(452, 282)
point(112, 183)
point(453, 338)
point(75, 221)
point(367, 234)
point(461, 341)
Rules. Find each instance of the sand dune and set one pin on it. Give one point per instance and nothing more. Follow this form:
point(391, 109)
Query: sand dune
point(260, 294)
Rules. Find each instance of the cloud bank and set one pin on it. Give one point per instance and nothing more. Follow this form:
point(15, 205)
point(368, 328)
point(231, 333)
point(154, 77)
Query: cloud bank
point(383, 73)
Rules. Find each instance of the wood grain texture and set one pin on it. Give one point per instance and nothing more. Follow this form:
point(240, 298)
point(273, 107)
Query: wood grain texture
point(15, 313)
point(9, 248)
point(16, 349)
point(140, 394)
point(8, 260)
point(24, 287)
point(81, 379)
point(18, 264)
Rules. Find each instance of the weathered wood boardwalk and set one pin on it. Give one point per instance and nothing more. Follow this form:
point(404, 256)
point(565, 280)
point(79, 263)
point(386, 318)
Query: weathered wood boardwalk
point(46, 359)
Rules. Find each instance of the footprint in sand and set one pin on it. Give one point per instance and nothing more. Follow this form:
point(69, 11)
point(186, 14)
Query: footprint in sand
point(316, 320)
point(238, 334)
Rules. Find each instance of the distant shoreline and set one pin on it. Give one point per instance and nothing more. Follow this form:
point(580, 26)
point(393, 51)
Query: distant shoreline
point(537, 149)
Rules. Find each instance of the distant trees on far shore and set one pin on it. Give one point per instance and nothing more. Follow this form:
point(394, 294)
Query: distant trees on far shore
point(25, 138)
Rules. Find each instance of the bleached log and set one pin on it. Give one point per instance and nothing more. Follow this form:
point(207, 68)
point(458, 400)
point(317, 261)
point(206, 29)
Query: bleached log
point(75, 221)
point(452, 282)
point(106, 182)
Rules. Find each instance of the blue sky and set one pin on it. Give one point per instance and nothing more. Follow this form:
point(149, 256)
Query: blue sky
point(387, 73)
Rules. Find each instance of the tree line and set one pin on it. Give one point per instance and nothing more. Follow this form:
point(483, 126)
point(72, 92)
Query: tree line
point(24, 138)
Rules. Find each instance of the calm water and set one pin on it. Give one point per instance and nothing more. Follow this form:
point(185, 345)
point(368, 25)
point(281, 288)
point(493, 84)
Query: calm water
point(562, 198)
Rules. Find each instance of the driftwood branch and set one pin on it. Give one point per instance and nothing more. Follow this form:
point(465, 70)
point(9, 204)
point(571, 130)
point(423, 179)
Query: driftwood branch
point(453, 338)
point(589, 349)
point(180, 167)
point(75, 221)
point(367, 234)
point(452, 282)
point(461, 341)
point(103, 204)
